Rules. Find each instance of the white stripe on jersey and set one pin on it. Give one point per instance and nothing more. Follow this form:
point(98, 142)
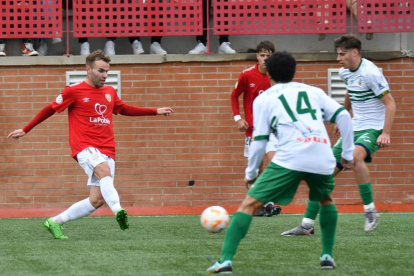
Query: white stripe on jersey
point(75, 84)
point(249, 69)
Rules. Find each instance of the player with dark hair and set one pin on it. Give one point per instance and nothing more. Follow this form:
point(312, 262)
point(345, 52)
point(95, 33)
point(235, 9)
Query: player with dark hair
point(294, 112)
point(373, 109)
point(252, 82)
point(90, 107)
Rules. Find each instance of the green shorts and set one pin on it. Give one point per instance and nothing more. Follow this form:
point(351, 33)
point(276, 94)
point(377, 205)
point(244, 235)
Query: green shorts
point(279, 185)
point(364, 138)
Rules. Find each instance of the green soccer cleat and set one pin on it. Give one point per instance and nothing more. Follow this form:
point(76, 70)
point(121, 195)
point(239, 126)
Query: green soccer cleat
point(122, 219)
point(54, 229)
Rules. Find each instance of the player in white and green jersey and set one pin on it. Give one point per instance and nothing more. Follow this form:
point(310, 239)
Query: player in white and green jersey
point(366, 86)
point(373, 107)
point(304, 141)
point(295, 113)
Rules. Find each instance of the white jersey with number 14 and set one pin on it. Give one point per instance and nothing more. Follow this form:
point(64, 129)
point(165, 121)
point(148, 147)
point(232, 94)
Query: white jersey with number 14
point(295, 113)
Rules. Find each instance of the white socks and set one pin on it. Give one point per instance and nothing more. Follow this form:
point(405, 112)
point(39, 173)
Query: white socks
point(110, 194)
point(84, 207)
point(308, 221)
point(369, 207)
point(78, 210)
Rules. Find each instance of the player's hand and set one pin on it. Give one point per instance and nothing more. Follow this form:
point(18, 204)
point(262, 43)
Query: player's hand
point(249, 183)
point(17, 134)
point(336, 130)
point(384, 140)
point(347, 164)
point(166, 111)
point(242, 125)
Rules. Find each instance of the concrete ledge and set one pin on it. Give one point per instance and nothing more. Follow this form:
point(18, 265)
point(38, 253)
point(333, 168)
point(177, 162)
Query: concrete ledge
point(156, 59)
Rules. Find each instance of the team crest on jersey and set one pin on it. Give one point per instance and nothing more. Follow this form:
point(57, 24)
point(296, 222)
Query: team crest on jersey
point(252, 85)
point(108, 97)
point(59, 99)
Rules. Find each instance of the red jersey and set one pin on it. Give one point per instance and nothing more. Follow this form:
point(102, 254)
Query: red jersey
point(252, 83)
point(90, 116)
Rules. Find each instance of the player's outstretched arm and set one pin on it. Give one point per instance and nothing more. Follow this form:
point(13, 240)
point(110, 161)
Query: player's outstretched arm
point(166, 111)
point(40, 117)
point(130, 110)
point(17, 134)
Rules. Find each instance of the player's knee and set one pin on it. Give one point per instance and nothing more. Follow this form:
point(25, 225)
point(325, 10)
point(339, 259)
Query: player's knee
point(97, 202)
point(327, 200)
point(360, 154)
point(250, 205)
point(359, 158)
point(360, 166)
point(102, 170)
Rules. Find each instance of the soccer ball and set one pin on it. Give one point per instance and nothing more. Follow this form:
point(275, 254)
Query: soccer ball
point(215, 219)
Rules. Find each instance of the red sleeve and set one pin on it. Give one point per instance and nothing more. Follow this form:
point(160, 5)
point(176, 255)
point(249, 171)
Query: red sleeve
point(130, 110)
point(40, 117)
point(64, 100)
point(237, 91)
point(118, 104)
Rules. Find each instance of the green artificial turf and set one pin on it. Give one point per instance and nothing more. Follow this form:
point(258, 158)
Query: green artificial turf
point(178, 245)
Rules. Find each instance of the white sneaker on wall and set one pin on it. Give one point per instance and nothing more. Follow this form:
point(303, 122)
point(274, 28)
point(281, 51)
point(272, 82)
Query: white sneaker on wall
point(109, 48)
point(200, 48)
point(84, 51)
point(226, 49)
point(156, 49)
point(137, 47)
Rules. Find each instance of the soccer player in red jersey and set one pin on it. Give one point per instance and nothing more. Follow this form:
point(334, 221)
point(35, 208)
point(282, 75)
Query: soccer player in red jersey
point(90, 107)
point(251, 83)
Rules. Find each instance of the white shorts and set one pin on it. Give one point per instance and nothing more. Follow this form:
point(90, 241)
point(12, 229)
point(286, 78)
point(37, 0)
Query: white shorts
point(91, 157)
point(270, 146)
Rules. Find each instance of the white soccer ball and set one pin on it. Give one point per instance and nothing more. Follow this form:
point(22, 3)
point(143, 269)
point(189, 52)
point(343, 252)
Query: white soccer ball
point(215, 219)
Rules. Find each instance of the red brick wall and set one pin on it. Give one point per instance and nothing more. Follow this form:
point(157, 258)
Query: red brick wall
point(156, 158)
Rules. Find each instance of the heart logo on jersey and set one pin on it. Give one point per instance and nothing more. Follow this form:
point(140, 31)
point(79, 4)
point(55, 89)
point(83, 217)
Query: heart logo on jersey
point(100, 109)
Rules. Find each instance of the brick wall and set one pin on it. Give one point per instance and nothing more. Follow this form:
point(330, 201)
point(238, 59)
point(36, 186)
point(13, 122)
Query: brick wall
point(156, 158)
